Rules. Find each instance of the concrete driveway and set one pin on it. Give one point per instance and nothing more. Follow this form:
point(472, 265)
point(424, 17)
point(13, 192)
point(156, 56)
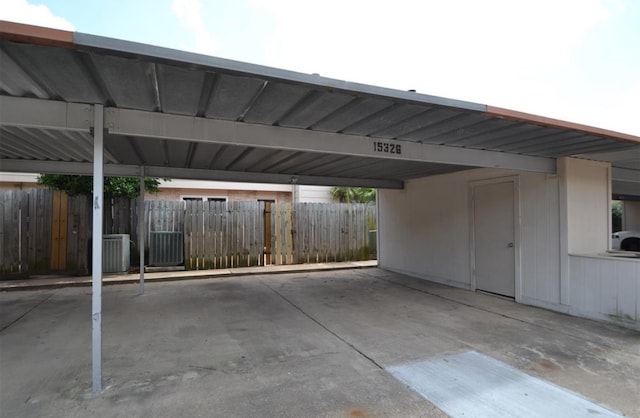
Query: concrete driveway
point(291, 345)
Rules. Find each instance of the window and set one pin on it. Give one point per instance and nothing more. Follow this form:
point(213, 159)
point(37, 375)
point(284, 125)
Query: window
point(204, 198)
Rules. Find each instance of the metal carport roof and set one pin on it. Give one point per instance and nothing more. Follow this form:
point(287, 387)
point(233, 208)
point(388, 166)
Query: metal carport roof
point(71, 101)
point(186, 115)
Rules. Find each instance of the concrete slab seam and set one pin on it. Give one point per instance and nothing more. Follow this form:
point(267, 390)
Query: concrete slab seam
point(350, 345)
point(27, 313)
point(87, 283)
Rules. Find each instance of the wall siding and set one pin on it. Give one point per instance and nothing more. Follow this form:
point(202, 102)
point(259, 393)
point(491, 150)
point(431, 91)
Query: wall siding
point(314, 194)
point(540, 226)
point(606, 289)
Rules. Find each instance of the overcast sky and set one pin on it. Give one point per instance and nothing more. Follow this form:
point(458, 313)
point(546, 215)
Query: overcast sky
point(577, 60)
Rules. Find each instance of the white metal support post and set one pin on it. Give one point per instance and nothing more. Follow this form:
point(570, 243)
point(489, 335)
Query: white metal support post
point(96, 269)
point(141, 229)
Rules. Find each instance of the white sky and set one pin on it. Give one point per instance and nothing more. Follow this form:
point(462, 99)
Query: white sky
point(577, 60)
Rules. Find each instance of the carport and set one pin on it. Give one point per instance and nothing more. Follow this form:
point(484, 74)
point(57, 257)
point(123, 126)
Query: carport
point(73, 103)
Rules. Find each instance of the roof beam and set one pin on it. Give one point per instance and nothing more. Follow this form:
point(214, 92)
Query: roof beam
point(187, 128)
point(59, 167)
point(45, 114)
point(625, 174)
point(65, 167)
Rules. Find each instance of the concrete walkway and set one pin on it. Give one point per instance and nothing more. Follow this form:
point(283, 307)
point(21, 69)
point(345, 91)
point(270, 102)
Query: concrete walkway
point(304, 344)
point(53, 281)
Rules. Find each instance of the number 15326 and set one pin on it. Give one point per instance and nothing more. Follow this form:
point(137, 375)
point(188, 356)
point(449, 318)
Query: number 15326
point(387, 148)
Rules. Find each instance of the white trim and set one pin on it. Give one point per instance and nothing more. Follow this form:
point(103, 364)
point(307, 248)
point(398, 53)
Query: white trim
point(6, 177)
point(222, 185)
point(564, 232)
point(204, 198)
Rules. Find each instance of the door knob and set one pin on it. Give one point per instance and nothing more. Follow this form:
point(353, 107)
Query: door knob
point(510, 245)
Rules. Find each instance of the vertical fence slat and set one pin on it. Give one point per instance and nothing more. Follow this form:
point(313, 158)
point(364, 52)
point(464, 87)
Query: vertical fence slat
point(188, 235)
point(288, 233)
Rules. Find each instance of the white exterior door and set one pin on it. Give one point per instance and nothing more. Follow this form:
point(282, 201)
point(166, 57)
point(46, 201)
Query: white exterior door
point(494, 237)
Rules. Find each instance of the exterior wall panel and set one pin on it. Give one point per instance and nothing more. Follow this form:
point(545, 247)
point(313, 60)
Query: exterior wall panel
point(540, 225)
point(588, 205)
point(631, 216)
point(425, 230)
point(606, 289)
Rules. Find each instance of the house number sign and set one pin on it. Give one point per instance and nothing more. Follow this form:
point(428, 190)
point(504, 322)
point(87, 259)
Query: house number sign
point(387, 148)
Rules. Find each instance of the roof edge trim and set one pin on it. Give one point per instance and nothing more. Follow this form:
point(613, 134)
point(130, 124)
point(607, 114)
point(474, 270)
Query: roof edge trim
point(557, 123)
point(37, 35)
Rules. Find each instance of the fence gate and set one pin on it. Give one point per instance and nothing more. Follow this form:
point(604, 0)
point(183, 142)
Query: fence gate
point(59, 231)
point(267, 233)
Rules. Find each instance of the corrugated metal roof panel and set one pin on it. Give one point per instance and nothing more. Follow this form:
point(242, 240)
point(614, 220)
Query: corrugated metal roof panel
point(132, 84)
point(180, 89)
point(385, 118)
point(351, 114)
point(403, 129)
point(274, 102)
point(494, 140)
point(15, 82)
point(202, 155)
point(438, 133)
point(57, 71)
point(316, 106)
point(46, 145)
point(231, 96)
point(125, 148)
point(127, 75)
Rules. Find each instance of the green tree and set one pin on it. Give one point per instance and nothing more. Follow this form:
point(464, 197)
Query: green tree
point(616, 215)
point(353, 194)
point(113, 186)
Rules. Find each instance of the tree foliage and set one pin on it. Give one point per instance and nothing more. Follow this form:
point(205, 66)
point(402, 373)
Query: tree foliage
point(353, 194)
point(616, 215)
point(113, 186)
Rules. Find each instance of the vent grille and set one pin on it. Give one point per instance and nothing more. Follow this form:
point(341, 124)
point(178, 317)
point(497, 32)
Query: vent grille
point(166, 249)
point(115, 253)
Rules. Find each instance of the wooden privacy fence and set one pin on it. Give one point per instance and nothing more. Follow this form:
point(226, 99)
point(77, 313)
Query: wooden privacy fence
point(44, 231)
point(240, 234)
